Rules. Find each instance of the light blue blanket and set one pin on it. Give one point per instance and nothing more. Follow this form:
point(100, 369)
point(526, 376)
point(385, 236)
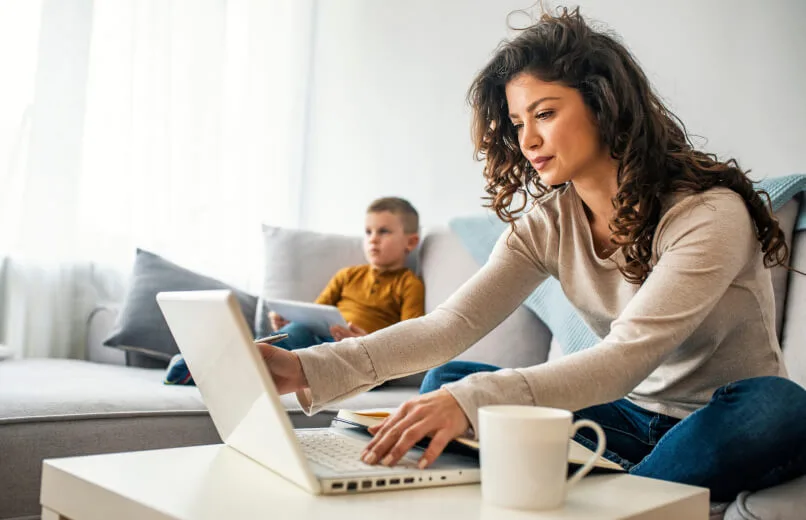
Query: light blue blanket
point(548, 301)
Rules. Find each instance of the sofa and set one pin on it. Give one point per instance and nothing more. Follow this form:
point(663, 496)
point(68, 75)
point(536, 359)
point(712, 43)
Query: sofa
point(58, 407)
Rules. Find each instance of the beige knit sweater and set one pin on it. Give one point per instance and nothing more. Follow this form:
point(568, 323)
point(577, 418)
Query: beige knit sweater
point(703, 318)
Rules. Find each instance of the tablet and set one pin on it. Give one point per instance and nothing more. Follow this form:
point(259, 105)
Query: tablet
point(318, 318)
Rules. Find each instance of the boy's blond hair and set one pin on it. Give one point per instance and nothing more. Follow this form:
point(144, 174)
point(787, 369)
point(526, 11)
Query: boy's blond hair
point(400, 207)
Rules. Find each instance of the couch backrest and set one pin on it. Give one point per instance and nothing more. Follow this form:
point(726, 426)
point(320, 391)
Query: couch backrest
point(793, 337)
point(787, 217)
point(520, 340)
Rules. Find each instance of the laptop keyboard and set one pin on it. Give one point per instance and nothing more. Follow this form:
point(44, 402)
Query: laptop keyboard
point(338, 453)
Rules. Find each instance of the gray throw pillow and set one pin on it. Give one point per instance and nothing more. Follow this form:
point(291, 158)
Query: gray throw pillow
point(141, 329)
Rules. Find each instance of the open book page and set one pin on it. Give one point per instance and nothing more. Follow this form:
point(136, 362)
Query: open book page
point(577, 453)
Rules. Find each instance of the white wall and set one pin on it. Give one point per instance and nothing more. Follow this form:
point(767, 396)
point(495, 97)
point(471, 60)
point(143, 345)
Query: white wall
point(388, 113)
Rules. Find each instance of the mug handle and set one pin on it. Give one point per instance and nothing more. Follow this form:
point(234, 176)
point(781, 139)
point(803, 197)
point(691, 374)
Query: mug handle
point(600, 447)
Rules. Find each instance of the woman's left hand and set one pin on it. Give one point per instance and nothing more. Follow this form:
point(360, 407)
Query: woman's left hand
point(435, 414)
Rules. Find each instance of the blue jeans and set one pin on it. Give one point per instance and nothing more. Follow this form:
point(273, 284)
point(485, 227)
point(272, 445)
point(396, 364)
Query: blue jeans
point(751, 435)
point(300, 336)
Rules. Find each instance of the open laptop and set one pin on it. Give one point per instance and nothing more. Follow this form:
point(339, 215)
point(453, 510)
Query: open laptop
point(240, 395)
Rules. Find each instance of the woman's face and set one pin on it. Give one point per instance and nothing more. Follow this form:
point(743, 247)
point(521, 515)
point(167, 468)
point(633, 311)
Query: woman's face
point(556, 131)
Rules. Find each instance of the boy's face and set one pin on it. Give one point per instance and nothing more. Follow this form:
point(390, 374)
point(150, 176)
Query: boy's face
point(386, 244)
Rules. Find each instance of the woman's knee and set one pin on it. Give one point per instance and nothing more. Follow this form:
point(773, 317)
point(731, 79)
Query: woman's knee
point(769, 390)
point(769, 402)
point(436, 377)
point(450, 372)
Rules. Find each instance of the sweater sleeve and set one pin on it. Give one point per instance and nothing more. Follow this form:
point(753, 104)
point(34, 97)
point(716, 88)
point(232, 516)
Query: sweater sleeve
point(703, 243)
point(337, 371)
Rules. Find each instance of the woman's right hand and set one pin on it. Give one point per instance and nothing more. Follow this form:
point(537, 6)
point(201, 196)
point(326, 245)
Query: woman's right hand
point(277, 321)
point(284, 367)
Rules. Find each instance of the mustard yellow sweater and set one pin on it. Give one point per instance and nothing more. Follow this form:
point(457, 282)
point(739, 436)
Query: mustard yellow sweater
point(373, 299)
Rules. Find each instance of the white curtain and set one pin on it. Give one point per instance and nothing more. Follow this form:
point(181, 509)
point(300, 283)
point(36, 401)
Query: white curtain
point(176, 126)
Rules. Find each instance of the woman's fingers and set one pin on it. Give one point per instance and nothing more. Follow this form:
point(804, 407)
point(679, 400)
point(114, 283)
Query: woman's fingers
point(387, 433)
point(373, 430)
point(404, 410)
point(405, 441)
point(436, 414)
point(389, 445)
point(435, 448)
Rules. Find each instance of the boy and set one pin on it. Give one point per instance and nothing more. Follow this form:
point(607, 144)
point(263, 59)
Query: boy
point(377, 294)
point(370, 297)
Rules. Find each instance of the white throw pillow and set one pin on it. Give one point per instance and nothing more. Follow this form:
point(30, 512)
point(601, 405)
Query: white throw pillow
point(297, 264)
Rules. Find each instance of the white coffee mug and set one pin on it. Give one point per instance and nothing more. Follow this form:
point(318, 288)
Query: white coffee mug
point(524, 455)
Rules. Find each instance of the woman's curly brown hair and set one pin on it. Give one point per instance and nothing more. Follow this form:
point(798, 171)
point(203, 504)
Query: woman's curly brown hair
point(655, 155)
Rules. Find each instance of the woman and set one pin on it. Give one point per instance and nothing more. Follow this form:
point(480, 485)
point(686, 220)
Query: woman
point(663, 250)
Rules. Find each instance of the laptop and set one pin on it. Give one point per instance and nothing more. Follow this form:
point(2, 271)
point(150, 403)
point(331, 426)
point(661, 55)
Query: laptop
point(240, 395)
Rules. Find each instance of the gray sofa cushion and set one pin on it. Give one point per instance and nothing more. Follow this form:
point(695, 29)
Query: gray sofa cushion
point(141, 328)
point(24, 445)
point(57, 408)
point(33, 390)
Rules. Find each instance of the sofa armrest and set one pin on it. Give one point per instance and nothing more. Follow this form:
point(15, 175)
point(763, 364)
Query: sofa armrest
point(99, 327)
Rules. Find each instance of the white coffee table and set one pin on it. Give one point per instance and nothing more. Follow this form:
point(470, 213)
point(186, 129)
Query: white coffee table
point(217, 482)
